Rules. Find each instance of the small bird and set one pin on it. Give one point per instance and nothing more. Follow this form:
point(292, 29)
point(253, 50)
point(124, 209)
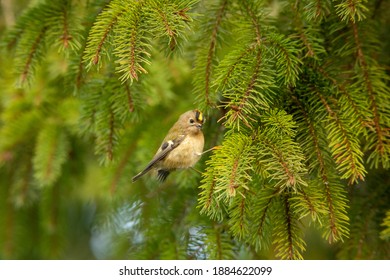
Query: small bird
point(181, 148)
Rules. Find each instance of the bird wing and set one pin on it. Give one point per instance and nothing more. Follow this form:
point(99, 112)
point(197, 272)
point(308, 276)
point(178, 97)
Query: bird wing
point(164, 150)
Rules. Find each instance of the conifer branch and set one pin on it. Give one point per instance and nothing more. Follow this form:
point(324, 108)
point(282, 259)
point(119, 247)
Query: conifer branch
point(13, 37)
point(129, 98)
point(48, 170)
point(286, 237)
point(97, 55)
point(169, 30)
point(279, 156)
point(210, 196)
point(302, 34)
point(224, 79)
point(235, 179)
point(260, 227)
point(309, 204)
point(66, 36)
point(289, 176)
point(80, 67)
point(312, 133)
point(238, 213)
point(351, 10)
point(367, 80)
point(132, 47)
point(316, 10)
point(99, 33)
point(33, 52)
point(286, 56)
point(238, 110)
point(346, 152)
point(318, 162)
point(218, 245)
point(207, 201)
point(255, 21)
point(385, 233)
point(345, 93)
point(212, 47)
point(260, 224)
point(51, 152)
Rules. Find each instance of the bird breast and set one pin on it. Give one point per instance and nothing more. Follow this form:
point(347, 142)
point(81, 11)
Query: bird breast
point(187, 153)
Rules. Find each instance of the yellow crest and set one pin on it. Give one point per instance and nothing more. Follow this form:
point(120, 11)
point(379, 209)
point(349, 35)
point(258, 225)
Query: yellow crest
point(199, 116)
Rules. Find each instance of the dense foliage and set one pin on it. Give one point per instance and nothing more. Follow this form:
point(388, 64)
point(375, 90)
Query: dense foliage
point(296, 95)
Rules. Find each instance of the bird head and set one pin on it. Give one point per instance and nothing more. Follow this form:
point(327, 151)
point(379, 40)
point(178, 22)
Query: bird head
point(192, 121)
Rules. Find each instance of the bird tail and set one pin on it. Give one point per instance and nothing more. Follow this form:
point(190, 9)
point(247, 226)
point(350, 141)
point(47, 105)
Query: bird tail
point(162, 175)
point(136, 177)
point(142, 173)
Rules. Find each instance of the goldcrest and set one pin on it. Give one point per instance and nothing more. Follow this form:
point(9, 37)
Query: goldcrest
point(181, 148)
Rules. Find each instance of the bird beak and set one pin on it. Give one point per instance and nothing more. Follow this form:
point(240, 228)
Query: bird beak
point(199, 126)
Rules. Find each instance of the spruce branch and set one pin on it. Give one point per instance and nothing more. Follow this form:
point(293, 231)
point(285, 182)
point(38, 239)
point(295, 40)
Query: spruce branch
point(28, 64)
point(260, 227)
point(106, 136)
point(352, 10)
point(249, 86)
point(289, 244)
point(385, 233)
point(239, 113)
point(207, 201)
point(235, 154)
point(51, 152)
point(170, 19)
point(345, 147)
point(132, 49)
point(27, 19)
point(212, 48)
point(279, 157)
point(316, 10)
point(311, 38)
point(213, 28)
point(130, 98)
point(253, 11)
point(313, 148)
point(100, 32)
point(327, 197)
point(218, 244)
point(63, 25)
point(232, 63)
point(286, 52)
point(238, 215)
point(337, 216)
point(77, 72)
point(376, 90)
point(347, 99)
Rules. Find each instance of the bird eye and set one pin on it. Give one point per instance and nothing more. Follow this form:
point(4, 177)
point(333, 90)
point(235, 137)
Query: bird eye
point(192, 121)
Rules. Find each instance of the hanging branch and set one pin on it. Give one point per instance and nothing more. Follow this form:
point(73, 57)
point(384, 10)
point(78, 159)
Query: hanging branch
point(346, 152)
point(100, 31)
point(214, 30)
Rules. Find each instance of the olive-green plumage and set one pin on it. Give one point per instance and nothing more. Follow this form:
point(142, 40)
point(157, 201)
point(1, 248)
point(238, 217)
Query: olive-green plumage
point(181, 148)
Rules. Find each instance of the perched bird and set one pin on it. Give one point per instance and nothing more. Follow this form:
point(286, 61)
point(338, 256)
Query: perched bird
point(181, 148)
